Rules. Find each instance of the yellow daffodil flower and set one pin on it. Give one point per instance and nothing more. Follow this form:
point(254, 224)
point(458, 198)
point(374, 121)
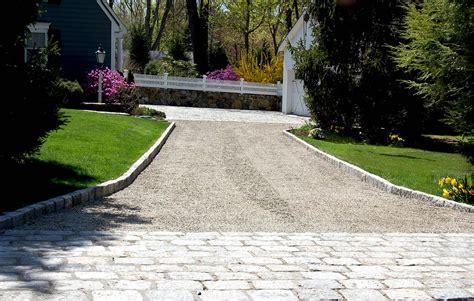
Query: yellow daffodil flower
point(454, 182)
point(445, 193)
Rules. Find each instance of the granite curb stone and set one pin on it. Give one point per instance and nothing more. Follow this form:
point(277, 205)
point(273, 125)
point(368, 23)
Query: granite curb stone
point(379, 182)
point(28, 213)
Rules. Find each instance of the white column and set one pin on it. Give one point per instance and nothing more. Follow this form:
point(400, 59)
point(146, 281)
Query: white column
point(99, 92)
point(120, 54)
point(285, 101)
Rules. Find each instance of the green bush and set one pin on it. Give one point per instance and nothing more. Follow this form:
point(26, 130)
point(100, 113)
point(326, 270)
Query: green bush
point(70, 92)
point(438, 54)
point(467, 149)
point(178, 45)
point(32, 109)
point(172, 67)
point(129, 99)
point(139, 49)
point(144, 111)
point(351, 80)
point(130, 77)
point(217, 57)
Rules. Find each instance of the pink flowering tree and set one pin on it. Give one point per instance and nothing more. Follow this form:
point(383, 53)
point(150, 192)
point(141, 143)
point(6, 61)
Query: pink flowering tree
point(112, 84)
point(223, 74)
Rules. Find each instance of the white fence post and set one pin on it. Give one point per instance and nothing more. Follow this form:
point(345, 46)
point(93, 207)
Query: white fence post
point(279, 90)
point(241, 86)
point(204, 77)
point(165, 77)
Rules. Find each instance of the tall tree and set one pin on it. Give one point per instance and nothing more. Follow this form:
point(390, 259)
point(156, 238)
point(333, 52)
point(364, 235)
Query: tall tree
point(438, 52)
point(275, 22)
point(247, 16)
point(292, 11)
point(349, 75)
point(150, 16)
point(198, 18)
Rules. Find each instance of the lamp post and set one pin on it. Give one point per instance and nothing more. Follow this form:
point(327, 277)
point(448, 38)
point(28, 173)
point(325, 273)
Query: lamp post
point(100, 58)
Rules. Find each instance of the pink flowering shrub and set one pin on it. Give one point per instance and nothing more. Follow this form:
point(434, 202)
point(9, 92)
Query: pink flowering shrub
point(223, 74)
point(113, 84)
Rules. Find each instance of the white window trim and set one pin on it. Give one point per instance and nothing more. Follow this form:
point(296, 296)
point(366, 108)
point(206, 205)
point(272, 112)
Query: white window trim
point(39, 27)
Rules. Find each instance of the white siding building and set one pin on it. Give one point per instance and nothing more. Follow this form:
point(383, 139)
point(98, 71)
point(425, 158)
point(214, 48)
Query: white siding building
point(293, 89)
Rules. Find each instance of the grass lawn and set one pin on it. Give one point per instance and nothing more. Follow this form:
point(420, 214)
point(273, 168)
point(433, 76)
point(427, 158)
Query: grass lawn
point(90, 149)
point(451, 138)
point(413, 168)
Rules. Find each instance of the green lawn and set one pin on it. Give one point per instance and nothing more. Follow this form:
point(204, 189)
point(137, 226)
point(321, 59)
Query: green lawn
point(90, 149)
point(413, 168)
point(449, 137)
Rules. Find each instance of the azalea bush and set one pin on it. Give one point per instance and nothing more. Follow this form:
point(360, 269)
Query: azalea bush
point(223, 74)
point(114, 84)
point(458, 190)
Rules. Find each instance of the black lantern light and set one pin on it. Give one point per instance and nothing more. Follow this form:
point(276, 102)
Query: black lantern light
point(100, 55)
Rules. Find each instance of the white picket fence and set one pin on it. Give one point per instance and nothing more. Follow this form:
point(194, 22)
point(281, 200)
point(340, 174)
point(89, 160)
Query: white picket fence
point(203, 84)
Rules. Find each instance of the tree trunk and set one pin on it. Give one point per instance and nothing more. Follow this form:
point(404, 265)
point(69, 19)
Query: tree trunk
point(156, 44)
point(148, 26)
point(246, 42)
point(273, 32)
point(295, 7)
point(199, 34)
point(288, 21)
point(246, 30)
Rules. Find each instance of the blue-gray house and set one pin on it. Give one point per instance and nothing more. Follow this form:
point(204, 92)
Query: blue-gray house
point(79, 26)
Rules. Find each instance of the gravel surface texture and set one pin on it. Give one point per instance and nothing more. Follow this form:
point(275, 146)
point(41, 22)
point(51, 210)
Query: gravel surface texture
point(229, 176)
point(213, 114)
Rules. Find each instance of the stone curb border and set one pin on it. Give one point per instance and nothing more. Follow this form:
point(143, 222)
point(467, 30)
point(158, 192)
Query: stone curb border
point(379, 182)
point(28, 213)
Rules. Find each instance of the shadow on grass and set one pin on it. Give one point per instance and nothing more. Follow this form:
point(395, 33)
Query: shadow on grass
point(332, 138)
point(36, 181)
point(403, 156)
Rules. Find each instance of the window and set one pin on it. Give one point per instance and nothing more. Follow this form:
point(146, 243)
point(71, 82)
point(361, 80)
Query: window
point(37, 39)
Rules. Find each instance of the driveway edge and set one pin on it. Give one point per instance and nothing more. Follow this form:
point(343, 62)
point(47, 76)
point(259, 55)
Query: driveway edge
point(379, 182)
point(28, 213)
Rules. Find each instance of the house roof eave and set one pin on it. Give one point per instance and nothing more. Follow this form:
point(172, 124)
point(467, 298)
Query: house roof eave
point(113, 17)
point(294, 30)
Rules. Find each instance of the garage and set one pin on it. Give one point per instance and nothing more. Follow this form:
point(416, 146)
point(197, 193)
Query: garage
point(293, 93)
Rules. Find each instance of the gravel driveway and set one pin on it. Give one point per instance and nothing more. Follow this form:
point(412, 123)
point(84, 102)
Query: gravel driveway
point(235, 176)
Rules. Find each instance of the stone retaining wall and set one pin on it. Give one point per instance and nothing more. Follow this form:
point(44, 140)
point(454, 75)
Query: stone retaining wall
point(201, 99)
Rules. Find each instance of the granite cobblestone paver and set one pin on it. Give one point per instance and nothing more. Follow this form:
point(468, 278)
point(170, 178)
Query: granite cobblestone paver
point(133, 265)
